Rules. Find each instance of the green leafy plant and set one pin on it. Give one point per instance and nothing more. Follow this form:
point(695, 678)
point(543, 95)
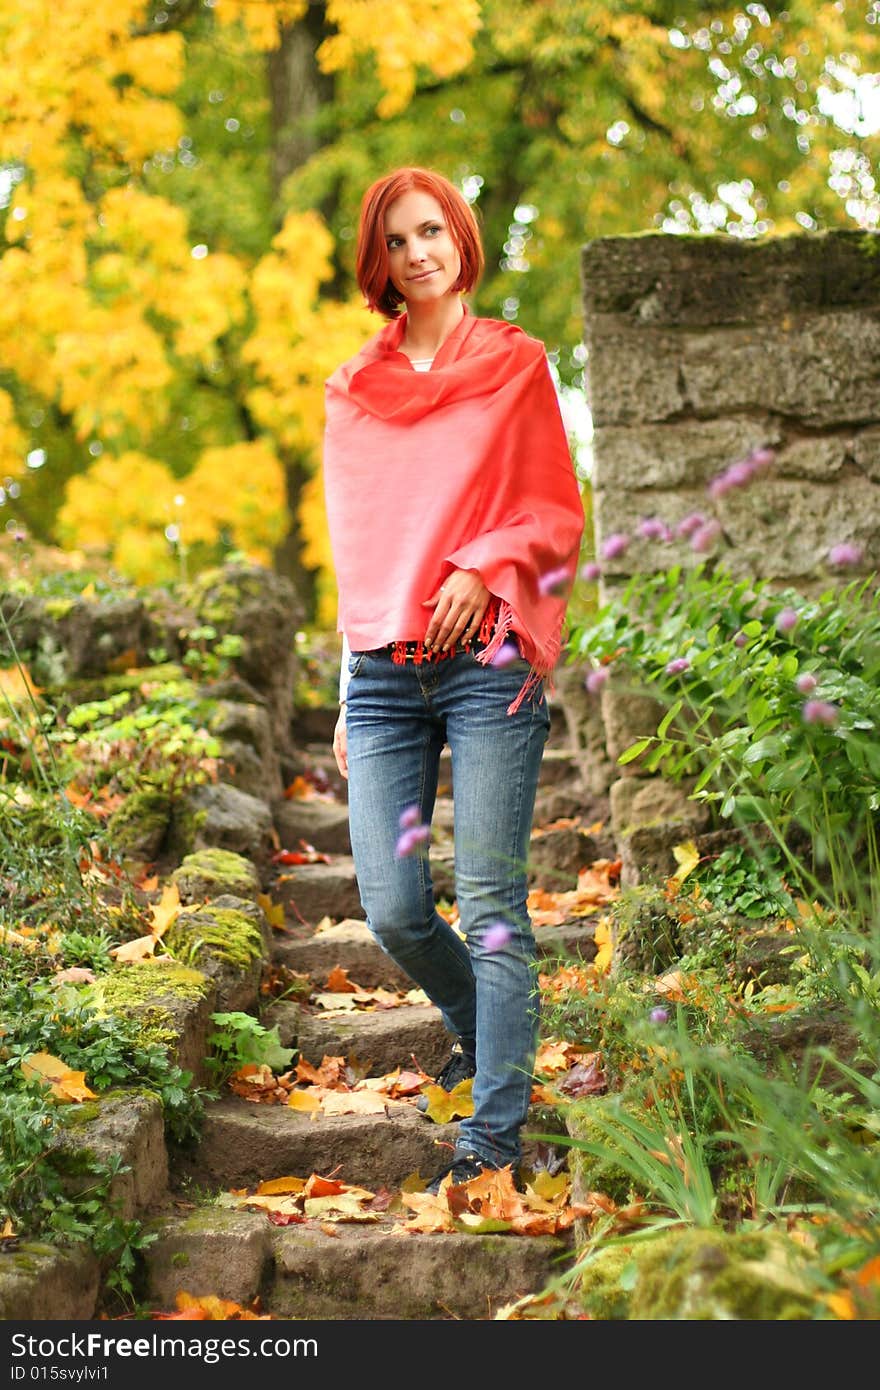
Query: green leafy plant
point(771, 706)
point(239, 1039)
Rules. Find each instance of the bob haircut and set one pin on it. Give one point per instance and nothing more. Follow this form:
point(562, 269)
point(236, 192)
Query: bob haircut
point(372, 252)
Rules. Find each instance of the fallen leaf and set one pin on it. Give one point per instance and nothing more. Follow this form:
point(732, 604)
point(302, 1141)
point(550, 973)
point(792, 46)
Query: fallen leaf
point(353, 1103)
point(165, 911)
point(307, 1101)
point(64, 1084)
point(273, 912)
point(444, 1106)
point(136, 950)
point(274, 1187)
point(337, 982)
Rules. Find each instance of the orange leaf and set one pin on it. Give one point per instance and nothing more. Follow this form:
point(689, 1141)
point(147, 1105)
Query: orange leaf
point(64, 1084)
point(304, 1100)
point(16, 681)
point(277, 1186)
point(339, 983)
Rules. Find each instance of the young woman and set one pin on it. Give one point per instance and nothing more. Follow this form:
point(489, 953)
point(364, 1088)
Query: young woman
point(455, 522)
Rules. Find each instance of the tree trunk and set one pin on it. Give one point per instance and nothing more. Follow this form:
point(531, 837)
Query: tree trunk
point(297, 91)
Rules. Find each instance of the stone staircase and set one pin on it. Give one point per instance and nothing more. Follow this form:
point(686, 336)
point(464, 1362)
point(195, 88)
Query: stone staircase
point(368, 1269)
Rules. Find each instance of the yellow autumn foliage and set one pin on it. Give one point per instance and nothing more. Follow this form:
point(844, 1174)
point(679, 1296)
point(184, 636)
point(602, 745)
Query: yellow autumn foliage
point(402, 36)
point(13, 443)
point(238, 489)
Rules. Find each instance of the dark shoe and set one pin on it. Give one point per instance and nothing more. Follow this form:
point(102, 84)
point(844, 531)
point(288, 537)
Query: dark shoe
point(460, 1067)
point(463, 1167)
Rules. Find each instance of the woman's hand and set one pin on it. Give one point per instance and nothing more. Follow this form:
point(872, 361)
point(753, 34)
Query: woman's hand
point(460, 603)
point(340, 744)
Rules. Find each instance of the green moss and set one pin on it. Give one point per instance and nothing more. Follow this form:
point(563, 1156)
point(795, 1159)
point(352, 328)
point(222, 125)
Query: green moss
point(207, 870)
point(699, 1276)
point(222, 933)
point(142, 816)
point(140, 989)
point(58, 608)
point(599, 1172)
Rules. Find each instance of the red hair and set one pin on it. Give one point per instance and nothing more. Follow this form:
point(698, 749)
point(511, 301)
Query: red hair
point(372, 252)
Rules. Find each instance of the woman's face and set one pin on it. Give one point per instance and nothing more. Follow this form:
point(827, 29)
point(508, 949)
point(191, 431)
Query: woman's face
point(423, 260)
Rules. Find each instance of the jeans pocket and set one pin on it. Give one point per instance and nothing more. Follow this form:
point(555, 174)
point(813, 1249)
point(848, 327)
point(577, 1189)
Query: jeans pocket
point(355, 662)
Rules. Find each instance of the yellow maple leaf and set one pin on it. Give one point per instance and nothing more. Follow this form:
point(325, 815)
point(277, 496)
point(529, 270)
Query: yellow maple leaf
point(16, 683)
point(165, 911)
point(605, 942)
point(274, 1187)
point(274, 912)
point(444, 1106)
point(687, 857)
point(65, 1085)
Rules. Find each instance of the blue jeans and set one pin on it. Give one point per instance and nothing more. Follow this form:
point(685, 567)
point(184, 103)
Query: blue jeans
point(398, 719)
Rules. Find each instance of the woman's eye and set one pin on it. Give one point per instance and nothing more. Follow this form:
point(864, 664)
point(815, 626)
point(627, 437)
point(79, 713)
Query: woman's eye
point(433, 230)
point(394, 243)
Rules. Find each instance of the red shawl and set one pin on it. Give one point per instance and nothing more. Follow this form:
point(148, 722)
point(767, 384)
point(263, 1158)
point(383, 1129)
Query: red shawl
point(466, 466)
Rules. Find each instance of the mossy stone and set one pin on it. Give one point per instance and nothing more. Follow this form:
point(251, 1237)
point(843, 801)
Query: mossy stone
point(209, 873)
point(699, 1276)
point(141, 823)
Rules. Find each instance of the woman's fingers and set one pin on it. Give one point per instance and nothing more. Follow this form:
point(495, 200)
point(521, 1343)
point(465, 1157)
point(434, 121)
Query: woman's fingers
point(460, 605)
point(340, 745)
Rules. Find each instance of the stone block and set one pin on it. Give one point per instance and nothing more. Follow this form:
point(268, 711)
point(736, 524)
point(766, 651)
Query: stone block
point(695, 280)
point(674, 454)
point(128, 1125)
point(210, 1251)
point(633, 377)
point(42, 1283)
point(821, 369)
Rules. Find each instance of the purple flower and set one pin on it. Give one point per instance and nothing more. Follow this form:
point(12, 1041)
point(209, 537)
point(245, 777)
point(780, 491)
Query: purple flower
point(677, 665)
point(615, 545)
point(507, 652)
point(786, 619)
point(496, 937)
point(740, 639)
point(846, 553)
point(591, 571)
point(806, 683)
point(554, 581)
point(690, 523)
point(735, 475)
point(820, 712)
point(705, 537)
point(762, 458)
point(596, 679)
point(410, 840)
point(651, 528)
point(659, 1015)
point(411, 816)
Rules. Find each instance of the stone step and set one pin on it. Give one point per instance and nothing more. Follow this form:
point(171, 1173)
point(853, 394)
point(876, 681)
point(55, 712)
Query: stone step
point(243, 1143)
point(349, 944)
point(382, 1039)
point(560, 764)
point(368, 1272)
point(343, 1271)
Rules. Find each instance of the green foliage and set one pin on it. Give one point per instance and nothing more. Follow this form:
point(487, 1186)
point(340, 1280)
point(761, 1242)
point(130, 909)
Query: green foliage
point(737, 722)
point(52, 1193)
point(239, 1039)
point(743, 882)
point(155, 736)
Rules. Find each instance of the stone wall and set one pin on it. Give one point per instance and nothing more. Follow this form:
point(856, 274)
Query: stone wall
point(702, 349)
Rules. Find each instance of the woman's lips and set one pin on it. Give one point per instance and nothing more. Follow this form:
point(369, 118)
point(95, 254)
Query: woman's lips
point(424, 275)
